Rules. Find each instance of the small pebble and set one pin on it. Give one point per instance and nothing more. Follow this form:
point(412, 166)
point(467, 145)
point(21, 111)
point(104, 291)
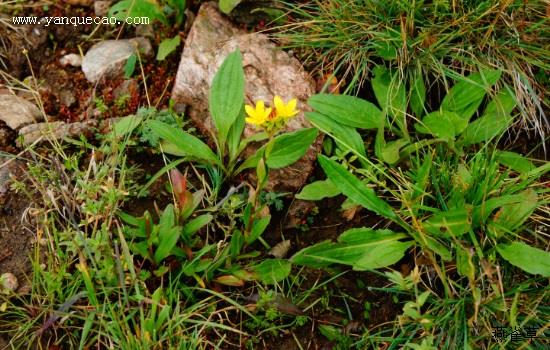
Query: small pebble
point(8, 283)
point(71, 59)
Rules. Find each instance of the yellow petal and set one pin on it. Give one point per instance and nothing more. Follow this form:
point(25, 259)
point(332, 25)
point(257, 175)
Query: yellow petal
point(249, 110)
point(278, 102)
point(292, 105)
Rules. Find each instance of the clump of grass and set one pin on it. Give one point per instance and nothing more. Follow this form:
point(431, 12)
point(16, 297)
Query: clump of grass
point(436, 39)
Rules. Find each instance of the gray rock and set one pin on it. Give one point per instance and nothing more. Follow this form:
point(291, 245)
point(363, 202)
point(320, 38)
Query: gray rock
point(59, 130)
point(101, 8)
point(55, 130)
point(17, 112)
point(106, 59)
point(269, 71)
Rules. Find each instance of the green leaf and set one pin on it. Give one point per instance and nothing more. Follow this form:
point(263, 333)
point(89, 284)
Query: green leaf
point(318, 190)
point(235, 133)
point(272, 271)
point(290, 147)
point(494, 121)
point(188, 144)
point(258, 228)
point(130, 66)
point(125, 125)
point(167, 46)
point(226, 6)
point(465, 97)
point(464, 265)
point(453, 222)
point(390, 151)
point(353, 188)
point(514, 161)
point(167, 242)
point(347, 110)
point(512, 216)
point(527, 258)
point(196, 224)
point(227, 95)
point(418, 95)
point(442, 124)
point(389, 92)
point(344, 135)
point(438, 248)
point(361, 248)
point(137, 8)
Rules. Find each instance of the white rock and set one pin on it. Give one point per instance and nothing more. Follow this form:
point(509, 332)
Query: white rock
point(17, 112)
point(71, 59)
point(106, 59)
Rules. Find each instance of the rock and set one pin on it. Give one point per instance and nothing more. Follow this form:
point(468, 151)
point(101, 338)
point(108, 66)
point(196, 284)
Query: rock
point(8, 283)
point(55, 130)
point(71, 59)
point(101, 8)
point(268, 70)
point(17, 112)
point(59, 130)
point(106, 59)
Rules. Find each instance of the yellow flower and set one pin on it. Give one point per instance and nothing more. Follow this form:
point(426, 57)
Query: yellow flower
point(258, 115)
point(285, 110)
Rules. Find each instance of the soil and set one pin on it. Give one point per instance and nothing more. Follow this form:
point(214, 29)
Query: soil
point(16, 233)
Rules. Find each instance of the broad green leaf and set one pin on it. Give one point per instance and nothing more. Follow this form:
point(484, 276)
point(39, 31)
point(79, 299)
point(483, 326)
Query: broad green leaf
point(483, 211)
point(503, 103)
point(485, 128)
point(166, 243)
point(236, 244)
point(511, 216)
point(464, 264)
point(167, 221)
point(390, 151)
point(454, 222)
point(418, 95)
point(290, 147)
point(272, 271)
point(188, 144)
point(125, 125)
point(361, 248)
point(258, 229)
point(389, 92)
point(137, 8)
point(465, 97)
point(347, 110)
point(226, 6)
point(438, 248)
point(442, 124)
point(515, 161)
point(494, 121)
point(130, 66)
point(235, 133)
point(227, 95)
point(353, 188)
point(344, 135)
point(167, 46)
point(196, 224)
point(318, 190)
point(527, 258)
